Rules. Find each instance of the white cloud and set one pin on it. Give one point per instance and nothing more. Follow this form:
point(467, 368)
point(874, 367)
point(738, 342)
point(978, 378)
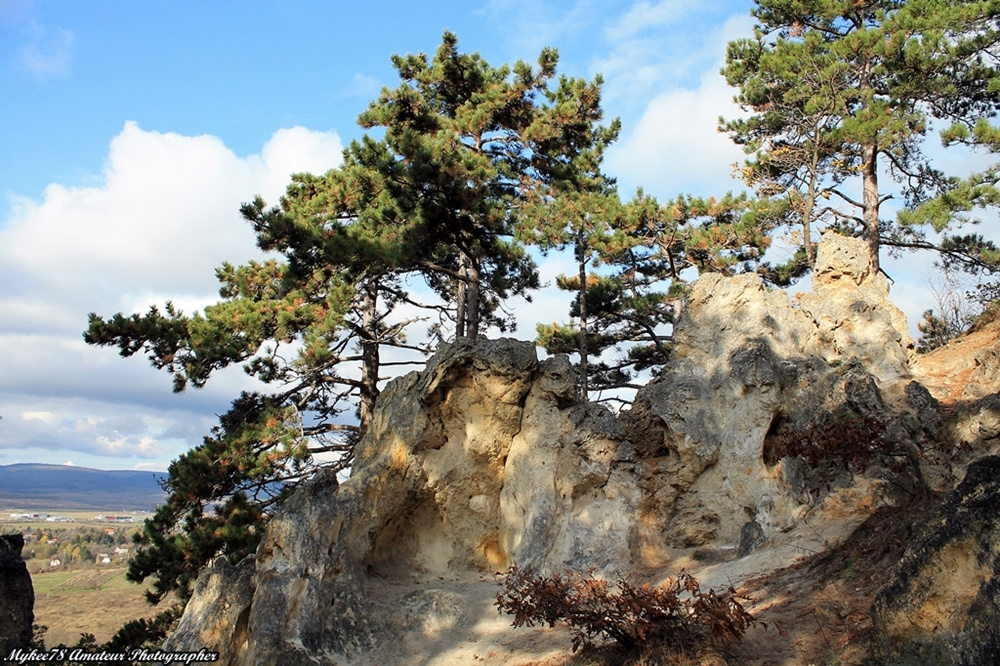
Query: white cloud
point(159, 466)
point(645, 16)
point(162, 218)
point(95, 429)
point(676, 49)
point(44, 417)
point(676, 146)
point(674, 96)
point(294, 150)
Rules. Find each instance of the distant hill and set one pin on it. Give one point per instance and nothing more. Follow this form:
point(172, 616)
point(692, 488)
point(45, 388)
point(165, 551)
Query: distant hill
point(66, 487)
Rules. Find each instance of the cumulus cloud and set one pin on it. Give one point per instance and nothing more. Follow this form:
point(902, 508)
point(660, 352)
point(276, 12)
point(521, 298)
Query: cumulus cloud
point(162, 218)
point(676, 146)
point(672, 143)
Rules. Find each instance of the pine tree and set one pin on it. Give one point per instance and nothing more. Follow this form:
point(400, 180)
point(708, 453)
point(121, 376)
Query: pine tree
point(467, 147)
point(574, 204)
point(935, 332)
point(844, 91)
point(653, 252)
point(310, 326)
point(440, 195)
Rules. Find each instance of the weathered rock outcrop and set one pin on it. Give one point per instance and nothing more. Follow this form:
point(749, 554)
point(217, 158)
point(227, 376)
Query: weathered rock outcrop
point(942, 605)
point(747, 368)
point(485, 458)
point(966, 375)
point(216, 617)
point(17, 596)
point(488, 458)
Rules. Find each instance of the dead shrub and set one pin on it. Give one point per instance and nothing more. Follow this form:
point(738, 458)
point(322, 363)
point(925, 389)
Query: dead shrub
point(851, 442)
point(678, 616)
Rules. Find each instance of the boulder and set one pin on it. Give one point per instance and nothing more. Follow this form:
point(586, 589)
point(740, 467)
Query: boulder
point(17, 596)
point(942, 604)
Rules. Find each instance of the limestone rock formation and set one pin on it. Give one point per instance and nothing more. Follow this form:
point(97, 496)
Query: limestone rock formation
point(488, 458)
point(216, 618)
point(748, 368)
point(485, 458)
point(942, 605)
point(17, 596)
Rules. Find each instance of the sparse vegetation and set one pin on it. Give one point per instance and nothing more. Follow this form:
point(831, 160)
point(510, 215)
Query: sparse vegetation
point(98, 603)
point(142, 633)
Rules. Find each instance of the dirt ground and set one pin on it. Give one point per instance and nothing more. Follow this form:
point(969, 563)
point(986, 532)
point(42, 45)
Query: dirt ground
point(812, 605)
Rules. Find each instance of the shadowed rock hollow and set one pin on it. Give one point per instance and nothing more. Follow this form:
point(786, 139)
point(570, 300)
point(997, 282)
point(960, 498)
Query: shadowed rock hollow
point(488, 458)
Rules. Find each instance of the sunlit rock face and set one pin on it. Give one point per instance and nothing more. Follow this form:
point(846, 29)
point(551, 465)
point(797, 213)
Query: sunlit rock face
point(748, 367)
point(488, 458)
point(485, 459)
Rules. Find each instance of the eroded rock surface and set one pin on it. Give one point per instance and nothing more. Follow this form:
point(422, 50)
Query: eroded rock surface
point(484, 459)
point(216, 618)
point(747, 369)
point(488, 458)
point(942, 605)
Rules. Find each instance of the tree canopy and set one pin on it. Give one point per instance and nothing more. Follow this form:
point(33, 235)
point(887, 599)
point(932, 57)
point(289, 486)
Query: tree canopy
point(465, 148)
point(844, 92)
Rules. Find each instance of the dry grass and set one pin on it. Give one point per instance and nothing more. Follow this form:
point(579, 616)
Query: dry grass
point(95, 601)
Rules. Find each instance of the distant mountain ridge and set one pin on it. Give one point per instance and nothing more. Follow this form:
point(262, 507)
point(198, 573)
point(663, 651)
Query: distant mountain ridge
point(41, 486)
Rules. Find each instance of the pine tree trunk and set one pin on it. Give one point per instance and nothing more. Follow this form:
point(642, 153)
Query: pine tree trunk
point(473, 301)
point(370, 359)
point(461, 298)
point(870, 202)
point(869, 177)
point(581, 259)
point(807, 213)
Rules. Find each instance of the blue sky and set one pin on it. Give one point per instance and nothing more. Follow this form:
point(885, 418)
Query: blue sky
point(73, 73)
point(130, 132)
